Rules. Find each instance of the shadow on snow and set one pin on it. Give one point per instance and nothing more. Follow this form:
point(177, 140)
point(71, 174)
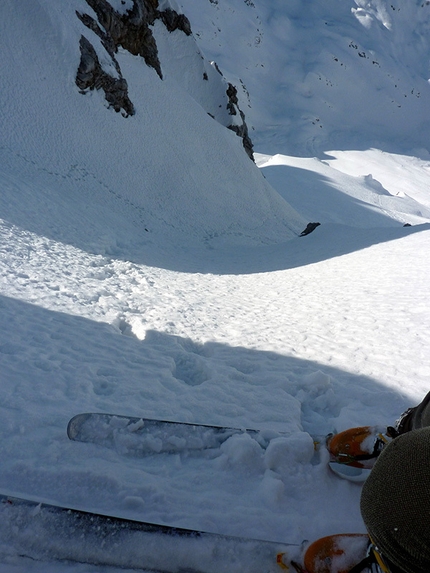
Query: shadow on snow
point(96, 222)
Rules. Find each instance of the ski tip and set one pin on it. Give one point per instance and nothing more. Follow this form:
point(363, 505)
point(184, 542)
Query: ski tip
point(75, 424)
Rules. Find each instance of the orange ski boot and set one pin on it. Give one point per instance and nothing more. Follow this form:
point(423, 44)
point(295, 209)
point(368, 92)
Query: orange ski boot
point(354, 451)
point(336, 553)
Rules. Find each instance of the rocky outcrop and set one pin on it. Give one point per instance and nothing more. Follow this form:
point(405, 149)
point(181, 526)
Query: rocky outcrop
point(309, 228)
point(174, 21)
point(131, 31)
point(241, 129)
point(90, 75)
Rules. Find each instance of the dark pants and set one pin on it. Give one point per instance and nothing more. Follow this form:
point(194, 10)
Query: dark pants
point(415, 418)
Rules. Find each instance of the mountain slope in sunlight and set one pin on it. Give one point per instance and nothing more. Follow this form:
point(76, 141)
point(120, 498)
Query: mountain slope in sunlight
point(175, 167)
point(324, 75)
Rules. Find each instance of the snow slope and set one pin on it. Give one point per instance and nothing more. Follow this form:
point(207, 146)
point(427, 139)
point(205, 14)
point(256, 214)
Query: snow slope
point(167, 163)
point(348, 74)
point(118, 295)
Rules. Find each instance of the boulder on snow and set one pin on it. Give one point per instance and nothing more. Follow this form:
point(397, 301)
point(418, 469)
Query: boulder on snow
point(309, 228)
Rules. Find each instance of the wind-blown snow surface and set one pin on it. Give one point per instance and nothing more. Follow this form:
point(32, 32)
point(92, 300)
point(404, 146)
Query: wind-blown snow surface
point(307, 335)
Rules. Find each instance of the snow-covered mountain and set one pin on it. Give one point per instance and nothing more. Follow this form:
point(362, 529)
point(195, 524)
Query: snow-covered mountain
point(148, 267)
point(316, 76)
point(168, 166)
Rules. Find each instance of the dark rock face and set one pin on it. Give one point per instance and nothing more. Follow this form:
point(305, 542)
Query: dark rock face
point(131, 31)
point(174, 21)
point(90, 75)
point(240, 129)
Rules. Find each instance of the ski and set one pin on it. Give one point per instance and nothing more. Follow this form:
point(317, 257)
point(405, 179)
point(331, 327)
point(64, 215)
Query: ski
point(47, 532)
point(352, 452)
point(143, 436)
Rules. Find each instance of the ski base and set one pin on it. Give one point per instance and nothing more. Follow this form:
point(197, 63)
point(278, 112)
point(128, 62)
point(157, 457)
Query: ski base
point(49, 532)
